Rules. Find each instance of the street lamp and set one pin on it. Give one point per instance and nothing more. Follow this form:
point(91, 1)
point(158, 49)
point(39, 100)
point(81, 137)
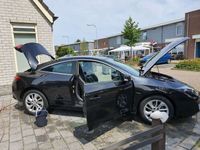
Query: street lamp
point(93, 25)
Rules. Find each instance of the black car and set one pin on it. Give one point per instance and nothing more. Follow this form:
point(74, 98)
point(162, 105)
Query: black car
point(105, 89)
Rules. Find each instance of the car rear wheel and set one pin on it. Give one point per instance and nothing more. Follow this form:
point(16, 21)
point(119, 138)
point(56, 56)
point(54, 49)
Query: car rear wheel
point(34, 101)
point(155, 103)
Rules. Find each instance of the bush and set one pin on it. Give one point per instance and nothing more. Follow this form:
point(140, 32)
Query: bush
point(136, 59)
point(62, 51)
point(192, 64)
point(133, 61)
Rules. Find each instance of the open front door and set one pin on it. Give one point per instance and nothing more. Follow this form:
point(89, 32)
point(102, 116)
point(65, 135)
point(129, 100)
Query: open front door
point(107, 95)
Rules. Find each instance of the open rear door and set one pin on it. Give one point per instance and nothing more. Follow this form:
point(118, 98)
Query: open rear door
point(106, 101)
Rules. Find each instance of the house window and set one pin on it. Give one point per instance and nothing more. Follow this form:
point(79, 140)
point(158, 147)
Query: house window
point(118, 40)
point(144, 36)
point(23, 34)
point(179, 29)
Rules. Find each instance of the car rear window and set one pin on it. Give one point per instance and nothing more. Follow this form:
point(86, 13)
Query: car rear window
point(64, 67)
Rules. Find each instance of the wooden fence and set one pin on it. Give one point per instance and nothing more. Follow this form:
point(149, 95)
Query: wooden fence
point(154, 136)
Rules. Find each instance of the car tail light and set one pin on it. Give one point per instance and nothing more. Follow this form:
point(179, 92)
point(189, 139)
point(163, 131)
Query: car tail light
point(17, 78)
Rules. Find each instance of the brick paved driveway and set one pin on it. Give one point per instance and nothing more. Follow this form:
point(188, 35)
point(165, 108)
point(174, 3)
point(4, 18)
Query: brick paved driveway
point(67, 130)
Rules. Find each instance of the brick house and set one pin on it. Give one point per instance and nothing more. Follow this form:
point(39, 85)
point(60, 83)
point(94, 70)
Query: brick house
point(22, 21)
point(192, 29)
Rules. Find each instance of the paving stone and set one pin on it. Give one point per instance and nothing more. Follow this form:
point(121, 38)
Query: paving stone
point(15, 130)
point(173, 141)
point(40, 131)
point(15, 137)
point(42, 139)
point(29, 139)
point(45, 146)
point(70, 139)
point(32, 146)
point(4, 145)
point(178, 148)
point(189, 142)
point(66, 133)
point(89, 146)
point(54, 134)
point(5, 137)
point(18, 145)
point(75, 146)
point(196, 129)
point(59, 144)
point(27, 132)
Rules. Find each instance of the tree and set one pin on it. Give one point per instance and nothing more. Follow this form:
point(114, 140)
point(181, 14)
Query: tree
point(83, 47)
point(63, 50)
point(131, 32)
point(78, 41)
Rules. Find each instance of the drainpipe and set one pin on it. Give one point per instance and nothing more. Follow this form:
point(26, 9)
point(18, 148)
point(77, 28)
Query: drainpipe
point(187, 34)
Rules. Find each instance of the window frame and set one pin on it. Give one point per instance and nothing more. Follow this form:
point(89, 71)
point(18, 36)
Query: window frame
point(22, 25)
point(95, 61)
point(75, 62)
point(177, 26)
point(144, 35)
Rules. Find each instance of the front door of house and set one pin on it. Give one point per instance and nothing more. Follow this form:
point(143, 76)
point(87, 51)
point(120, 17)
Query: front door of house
point(198, 49)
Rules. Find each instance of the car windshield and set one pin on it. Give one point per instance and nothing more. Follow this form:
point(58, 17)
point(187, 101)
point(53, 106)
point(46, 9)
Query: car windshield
point(127, 68)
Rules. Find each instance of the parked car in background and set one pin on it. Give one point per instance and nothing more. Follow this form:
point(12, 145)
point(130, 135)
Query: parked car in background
point(102, 87)
point(163, 60)
point(177, 56)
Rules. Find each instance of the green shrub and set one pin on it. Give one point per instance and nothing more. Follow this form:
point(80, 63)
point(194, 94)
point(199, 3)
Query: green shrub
point(62, 51)
point(136, 59)
point(191, 64)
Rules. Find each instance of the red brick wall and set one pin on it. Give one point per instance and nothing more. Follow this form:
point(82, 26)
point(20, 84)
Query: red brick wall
point(192, 27)
point(102, 43)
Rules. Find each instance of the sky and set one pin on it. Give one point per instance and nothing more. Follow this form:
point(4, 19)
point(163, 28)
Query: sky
point(109, 16)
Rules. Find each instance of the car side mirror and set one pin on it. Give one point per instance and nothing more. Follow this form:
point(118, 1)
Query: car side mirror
point(126, 78)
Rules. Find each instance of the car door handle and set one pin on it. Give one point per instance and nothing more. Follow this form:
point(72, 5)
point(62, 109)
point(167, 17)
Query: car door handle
point(95, 97)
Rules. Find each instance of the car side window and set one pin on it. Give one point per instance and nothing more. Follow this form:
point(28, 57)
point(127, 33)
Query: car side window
point(65, 68)
point(92, 72)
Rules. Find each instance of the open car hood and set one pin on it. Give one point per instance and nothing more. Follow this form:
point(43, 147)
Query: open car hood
point(155, 58)
point(31, 51)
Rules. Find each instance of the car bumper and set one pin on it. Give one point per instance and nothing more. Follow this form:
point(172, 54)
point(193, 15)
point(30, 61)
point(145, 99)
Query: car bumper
point(187, 107)
point(17, 90)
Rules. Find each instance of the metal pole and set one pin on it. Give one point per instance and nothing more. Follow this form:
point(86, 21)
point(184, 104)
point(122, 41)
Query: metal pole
point(93, 25)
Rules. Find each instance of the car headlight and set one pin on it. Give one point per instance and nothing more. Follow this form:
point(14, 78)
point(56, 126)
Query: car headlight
point(192, 93)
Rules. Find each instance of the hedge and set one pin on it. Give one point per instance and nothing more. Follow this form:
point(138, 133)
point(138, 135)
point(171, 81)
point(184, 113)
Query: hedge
point(191, 64)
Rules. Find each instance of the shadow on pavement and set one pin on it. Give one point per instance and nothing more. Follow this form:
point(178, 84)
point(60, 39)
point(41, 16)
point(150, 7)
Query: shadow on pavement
point(85, 136)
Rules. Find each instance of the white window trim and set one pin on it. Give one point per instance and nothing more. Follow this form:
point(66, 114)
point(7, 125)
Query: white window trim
point(179, 25)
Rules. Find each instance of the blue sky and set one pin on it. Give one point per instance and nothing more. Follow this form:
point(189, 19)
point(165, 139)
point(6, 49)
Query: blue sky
point(109, 16)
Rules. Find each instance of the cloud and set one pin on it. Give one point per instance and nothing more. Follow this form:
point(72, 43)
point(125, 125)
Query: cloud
point(110, 15)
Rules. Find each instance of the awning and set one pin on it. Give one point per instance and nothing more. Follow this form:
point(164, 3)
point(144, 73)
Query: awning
point(121, 49)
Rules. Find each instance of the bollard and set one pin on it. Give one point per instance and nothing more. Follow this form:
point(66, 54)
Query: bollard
point(159, 118)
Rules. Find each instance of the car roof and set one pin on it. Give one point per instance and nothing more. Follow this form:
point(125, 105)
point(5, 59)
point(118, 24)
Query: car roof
point(66, 58)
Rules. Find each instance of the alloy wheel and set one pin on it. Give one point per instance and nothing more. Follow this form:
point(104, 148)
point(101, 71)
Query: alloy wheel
point(34, 102)
point(155, 105)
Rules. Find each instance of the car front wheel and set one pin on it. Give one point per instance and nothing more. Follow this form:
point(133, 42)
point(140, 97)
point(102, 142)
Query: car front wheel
point(34, 101)
point(155, 103)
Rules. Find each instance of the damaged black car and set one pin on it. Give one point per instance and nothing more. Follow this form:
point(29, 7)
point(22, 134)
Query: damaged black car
point(102, 87)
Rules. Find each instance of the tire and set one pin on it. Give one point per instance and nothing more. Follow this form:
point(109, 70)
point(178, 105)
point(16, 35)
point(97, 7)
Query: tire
point(31, 104)
point(162, 103)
